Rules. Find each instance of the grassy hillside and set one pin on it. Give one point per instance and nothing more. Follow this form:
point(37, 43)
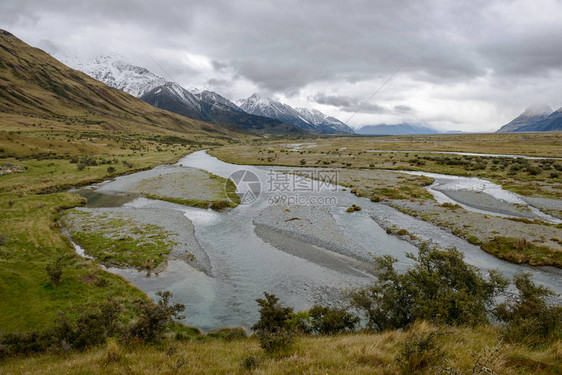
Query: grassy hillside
point(60, 128)
point(36, 88)
point(457, 351)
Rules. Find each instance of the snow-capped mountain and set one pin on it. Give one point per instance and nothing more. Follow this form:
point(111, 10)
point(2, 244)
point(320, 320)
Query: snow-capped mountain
point(327, 123)
point(210, 106)
point(530, 116)
point(267, 107)
point(174, 98)
point(306, 119)
point(110, 70)
point(550, 123)
point(155, 90)
point(256, 114)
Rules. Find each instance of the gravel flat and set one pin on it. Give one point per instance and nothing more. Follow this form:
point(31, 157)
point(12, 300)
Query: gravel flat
point(312, 224)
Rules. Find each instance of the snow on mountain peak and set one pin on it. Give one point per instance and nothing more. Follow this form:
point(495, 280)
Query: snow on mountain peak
point(307, 119)
point(111, 70)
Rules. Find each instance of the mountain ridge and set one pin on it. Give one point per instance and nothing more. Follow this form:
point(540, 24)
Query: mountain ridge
point(310, 120)
point(530, 118)
point(396, 129)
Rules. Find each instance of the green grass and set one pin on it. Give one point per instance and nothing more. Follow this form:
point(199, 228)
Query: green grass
point(519, 250)
point(223, 191)
point(119, 242)
point(29, 301)
point(31, 203)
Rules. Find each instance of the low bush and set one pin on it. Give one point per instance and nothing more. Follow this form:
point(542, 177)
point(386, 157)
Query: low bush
point(273, 329)
point(93, 327)
point(440, 286)
point(154, 318)
point(331, 320)
point(530, 318)
point(54, 271)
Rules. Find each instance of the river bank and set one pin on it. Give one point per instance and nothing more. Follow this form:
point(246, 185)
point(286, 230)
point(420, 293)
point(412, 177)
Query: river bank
point(304, 254)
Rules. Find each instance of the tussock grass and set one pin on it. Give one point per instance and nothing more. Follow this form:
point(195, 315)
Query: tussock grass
point(360, 353)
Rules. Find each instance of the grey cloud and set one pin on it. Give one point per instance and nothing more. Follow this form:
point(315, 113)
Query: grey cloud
point(508, 49)
point(403, 109)
point(337, 101)
point(349, 104)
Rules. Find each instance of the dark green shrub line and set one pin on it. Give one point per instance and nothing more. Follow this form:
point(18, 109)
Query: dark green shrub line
point(94, 327)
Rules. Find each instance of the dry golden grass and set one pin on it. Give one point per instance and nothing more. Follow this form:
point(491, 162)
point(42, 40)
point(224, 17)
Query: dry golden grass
point(342, 354)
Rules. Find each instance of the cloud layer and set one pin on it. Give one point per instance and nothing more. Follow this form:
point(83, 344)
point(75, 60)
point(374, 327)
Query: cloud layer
point(474, 65)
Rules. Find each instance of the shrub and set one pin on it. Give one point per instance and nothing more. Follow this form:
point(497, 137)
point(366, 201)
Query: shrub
point(452, 206)
point(155, 317)
point(110, 169)
point(273, 316)
point(54, 271)
point(440, 286)
point(530, 317)
point(273, 328)
point(96, 325)
point(331, 320)
point(93, 327)
point(533, 171)
point(299, 322)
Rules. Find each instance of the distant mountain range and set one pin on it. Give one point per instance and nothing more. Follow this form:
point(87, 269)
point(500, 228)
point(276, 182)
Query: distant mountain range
point(310, 120)
point(535, 119)
point(398, 129)
point(267, 116)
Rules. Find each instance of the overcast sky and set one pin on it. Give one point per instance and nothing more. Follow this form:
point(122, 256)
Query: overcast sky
point(471, 65)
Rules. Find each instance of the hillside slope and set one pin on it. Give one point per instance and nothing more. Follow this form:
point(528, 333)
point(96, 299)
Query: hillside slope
point(34, 84)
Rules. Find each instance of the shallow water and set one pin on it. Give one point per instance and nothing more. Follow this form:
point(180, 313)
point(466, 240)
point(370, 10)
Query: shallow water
point(244, 265)
point(446, 187)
